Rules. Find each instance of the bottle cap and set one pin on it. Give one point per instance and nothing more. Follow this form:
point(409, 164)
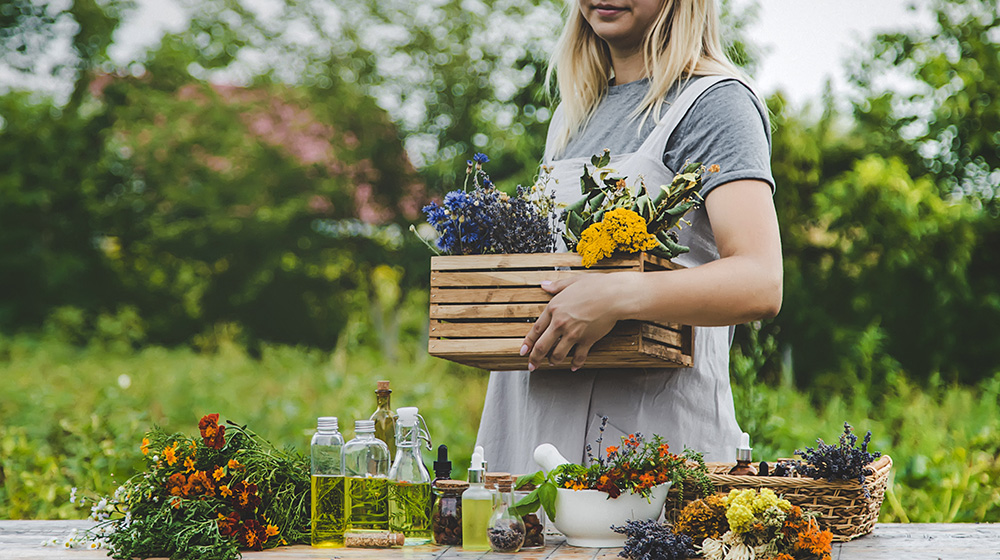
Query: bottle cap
point(493, 479)
point(482, 455)
point(744, 451)
point(407, 416)
point(505, 484)
point(477, 462)
point(383, 386)
point(442, 467)
point(364, 426)
point(327, 423)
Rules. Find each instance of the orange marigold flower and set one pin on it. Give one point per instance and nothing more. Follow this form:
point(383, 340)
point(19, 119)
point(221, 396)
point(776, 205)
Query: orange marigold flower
point(664, 450)
point(224, 491)
point(234, 464)
point(189, 464)
point(272, 530)
point(170, 454)
point(714, 168)
point(145, 446)
point(647, 479)
point(212, 433)
point(612, 449)
point(604, 479)
point(219, 473)
point(620, 183)
point(568, 484)
point(814, 541)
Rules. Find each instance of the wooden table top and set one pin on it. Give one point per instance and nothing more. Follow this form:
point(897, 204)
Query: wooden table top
point(917, 541)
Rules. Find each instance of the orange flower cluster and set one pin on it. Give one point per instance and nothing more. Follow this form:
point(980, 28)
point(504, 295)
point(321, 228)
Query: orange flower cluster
point(212, 434)
point(704, 518)
point(637, 465)
point(188, 475)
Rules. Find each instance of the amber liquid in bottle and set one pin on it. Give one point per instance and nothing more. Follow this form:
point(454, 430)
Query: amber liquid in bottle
point(385, 420)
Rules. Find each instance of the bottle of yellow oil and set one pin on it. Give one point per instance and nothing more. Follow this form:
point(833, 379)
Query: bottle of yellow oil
point(477, 507)
point(327, 469)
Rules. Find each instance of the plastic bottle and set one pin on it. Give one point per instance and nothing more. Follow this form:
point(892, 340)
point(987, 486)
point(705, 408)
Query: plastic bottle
point(477, 507)
point(327, 470)
point(744, 456)
point(366, 488)
point(506, 530)
point(409, 482)
point(384, 418)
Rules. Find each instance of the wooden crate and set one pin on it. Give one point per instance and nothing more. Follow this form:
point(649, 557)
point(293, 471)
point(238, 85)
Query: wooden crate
point(482, 306)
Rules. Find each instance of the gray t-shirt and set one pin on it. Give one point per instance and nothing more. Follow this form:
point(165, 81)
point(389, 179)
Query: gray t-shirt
point(727, 126)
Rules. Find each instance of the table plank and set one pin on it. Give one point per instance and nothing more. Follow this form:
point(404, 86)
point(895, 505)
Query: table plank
point(917, 541)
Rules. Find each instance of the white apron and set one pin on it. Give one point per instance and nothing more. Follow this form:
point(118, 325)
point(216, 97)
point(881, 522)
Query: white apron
point(690, 407)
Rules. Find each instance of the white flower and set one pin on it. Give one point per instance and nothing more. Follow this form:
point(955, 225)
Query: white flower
point(72, 495)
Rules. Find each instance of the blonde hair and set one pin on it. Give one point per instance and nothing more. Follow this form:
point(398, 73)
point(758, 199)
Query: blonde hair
point(682, 42)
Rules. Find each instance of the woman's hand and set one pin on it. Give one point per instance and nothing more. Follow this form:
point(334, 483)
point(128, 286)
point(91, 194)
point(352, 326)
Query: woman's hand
point(581, 311)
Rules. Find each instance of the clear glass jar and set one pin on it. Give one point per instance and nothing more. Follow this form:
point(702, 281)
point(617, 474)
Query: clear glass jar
point(446, 517)
point(534, 522)
point(506, 530)
point(327, 496)
point(366, 488)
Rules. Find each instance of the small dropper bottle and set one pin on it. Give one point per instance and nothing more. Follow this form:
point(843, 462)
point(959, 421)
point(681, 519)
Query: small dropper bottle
point(744, 456)
point(442, 467)
point(477, 507)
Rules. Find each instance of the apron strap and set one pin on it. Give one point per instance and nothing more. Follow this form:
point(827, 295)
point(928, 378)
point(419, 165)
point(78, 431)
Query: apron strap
point(656, 142)
point(555, 123)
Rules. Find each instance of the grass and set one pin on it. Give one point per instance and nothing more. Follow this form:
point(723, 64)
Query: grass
point(74, 417)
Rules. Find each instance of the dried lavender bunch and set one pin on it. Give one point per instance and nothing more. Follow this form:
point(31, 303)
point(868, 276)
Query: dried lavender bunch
point(840, 462)
point(651, 540)
point(479, 219)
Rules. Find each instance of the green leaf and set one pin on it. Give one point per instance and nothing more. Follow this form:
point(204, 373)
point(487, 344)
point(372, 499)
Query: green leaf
point(547, 496)
point(604, 160)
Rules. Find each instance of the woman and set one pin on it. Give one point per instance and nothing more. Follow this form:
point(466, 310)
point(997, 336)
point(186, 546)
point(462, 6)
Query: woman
point(649, 80)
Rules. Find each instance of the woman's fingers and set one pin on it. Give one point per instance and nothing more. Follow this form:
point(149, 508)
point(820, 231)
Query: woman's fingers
point(536, 330)
point(580, 355)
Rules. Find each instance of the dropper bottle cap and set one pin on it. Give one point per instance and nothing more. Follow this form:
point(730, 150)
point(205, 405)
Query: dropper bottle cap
point(744, 451)
point(442, 467)
point(476, 468)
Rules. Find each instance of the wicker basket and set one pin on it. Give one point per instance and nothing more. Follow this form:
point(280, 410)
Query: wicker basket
point(482, 306)
point(842, 506)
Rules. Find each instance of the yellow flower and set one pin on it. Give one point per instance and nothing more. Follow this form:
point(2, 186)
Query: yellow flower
point(234, 464)
point(620, 230)
point(272, 530)
point(189, 464)
point(145, 446)
point(740, 518)
point(219, 473)
point(170, 454)
point(224, 491)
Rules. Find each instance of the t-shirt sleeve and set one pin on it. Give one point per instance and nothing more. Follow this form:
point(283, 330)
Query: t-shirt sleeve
point(727, 126)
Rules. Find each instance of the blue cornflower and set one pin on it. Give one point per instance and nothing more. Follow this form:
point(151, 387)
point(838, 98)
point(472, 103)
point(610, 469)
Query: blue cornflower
point(487, 183)
point(480, 158)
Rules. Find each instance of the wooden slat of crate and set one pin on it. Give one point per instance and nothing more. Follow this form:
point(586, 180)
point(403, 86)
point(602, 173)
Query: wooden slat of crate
point(482, 306)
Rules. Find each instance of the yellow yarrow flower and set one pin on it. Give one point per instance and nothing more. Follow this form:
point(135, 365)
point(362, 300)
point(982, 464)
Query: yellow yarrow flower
point(621, 230)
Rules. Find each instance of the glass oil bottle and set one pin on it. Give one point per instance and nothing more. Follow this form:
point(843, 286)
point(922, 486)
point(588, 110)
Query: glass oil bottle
point(384, 418)
point(477, 507)
point(366, 488)
point(409, 482)
point(327, 497)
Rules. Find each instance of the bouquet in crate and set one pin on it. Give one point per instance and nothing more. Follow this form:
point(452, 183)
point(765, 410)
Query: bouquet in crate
point(495, 248)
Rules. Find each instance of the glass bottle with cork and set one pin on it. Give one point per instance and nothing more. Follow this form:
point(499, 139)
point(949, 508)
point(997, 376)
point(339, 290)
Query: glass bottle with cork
point(366, 488)
point(506, 530)
point(534, 522)
point(490, 481)
point(327, 474)
point(384, 418)
point(409, 481)
point(446, 515)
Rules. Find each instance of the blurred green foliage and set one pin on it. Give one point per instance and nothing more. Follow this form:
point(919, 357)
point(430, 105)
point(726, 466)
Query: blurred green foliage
point(170, 246)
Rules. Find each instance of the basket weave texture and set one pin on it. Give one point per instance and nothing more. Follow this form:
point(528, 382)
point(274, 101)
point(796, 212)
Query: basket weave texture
point(841, 505)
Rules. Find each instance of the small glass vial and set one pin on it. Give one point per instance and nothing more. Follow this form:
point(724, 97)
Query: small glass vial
point(506, 530)
point(446, 517)
point(744, 458)
point(534, 522)
point(373, 539)
point(327, 495)
point(477, 507)
point(490, 480)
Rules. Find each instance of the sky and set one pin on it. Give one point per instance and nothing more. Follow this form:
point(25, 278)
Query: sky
point(809, 41)
point(806, 42)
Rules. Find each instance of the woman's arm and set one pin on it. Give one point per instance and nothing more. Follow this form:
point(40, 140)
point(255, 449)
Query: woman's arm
point(743, 285)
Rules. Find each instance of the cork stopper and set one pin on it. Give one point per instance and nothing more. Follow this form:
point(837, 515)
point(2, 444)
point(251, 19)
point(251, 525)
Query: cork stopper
point(449, 484)
point(383, 386)
point(528, 487)
point(492, 478)
point(397, 539)
point(505, 484)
